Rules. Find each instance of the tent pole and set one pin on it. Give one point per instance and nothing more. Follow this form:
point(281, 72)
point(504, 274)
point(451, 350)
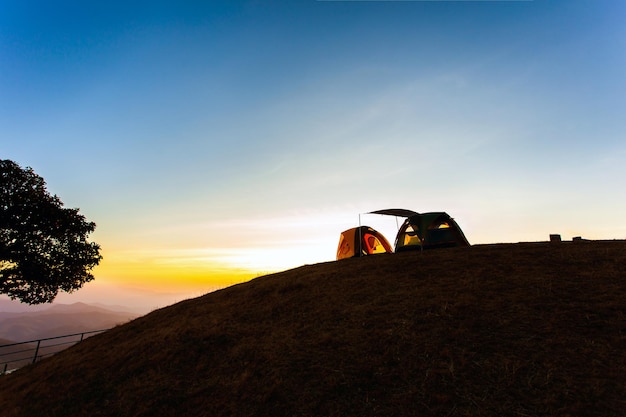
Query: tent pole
point(360, 238)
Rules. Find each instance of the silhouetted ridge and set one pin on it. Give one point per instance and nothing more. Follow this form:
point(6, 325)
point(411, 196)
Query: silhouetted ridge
point(494, 330)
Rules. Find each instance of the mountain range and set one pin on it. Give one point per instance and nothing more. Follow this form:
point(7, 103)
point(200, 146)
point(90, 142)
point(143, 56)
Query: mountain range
point(59, 320)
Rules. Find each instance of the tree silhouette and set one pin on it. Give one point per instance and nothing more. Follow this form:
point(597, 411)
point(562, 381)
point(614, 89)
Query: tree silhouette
point(43, 246)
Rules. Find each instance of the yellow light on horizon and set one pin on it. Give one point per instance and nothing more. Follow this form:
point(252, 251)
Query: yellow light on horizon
point(223, 253)
point(197, 267)
point(159, 272)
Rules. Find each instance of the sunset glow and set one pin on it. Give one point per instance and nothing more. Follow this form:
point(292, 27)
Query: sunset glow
point(215, 142)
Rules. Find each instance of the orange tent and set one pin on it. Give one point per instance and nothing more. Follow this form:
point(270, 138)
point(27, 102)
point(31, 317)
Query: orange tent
point(360, 241)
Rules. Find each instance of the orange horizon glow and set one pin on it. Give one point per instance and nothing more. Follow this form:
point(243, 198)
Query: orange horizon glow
point(162, 274)
point(182, 258)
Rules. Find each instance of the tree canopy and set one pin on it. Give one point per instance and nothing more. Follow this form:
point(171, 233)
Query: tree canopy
point(43, 245)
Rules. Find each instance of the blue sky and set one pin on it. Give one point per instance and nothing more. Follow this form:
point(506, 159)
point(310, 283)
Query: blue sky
point(207, 140)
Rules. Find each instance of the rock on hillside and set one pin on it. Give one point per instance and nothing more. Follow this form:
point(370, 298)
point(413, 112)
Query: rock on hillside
point(497, 330)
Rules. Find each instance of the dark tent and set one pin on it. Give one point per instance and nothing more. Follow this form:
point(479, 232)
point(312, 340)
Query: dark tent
point(425, 230)
point(429, 231)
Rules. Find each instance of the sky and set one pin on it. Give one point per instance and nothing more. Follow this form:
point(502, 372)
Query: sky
point(214, 142)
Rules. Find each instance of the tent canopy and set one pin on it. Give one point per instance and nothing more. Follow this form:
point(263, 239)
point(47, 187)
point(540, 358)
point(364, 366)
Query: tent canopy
point(395, 212)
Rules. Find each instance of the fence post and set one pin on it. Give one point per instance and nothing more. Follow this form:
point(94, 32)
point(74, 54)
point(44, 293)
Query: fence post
point(39, 347)
point(36, 351)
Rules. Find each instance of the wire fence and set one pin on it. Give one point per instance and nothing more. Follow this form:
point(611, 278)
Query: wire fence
point(16, 355)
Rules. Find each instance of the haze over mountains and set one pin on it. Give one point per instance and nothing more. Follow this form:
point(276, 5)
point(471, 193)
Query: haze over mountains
point(58, 320)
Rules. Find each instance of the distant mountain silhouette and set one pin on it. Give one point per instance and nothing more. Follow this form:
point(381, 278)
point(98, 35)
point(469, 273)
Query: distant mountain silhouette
point(8, 306)
point(59, 320)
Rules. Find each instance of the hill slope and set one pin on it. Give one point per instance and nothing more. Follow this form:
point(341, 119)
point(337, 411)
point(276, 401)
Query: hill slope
point(502, 330)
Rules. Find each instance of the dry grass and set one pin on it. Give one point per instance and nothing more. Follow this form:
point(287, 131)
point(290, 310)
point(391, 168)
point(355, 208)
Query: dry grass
point(497, 330)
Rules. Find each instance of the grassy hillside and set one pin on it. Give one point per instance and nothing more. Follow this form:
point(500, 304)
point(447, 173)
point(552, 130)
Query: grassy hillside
point(498, 330)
